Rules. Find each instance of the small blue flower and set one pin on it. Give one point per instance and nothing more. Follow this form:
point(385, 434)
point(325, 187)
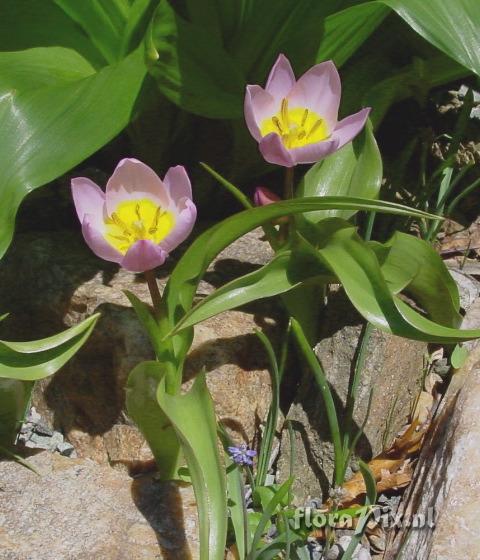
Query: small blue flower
point(242, 455)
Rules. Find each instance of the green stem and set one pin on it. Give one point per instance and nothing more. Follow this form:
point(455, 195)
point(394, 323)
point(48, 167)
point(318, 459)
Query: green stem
point(352, 394)
point(324, 387)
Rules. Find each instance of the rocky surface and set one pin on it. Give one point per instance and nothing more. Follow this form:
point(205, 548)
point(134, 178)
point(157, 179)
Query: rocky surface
point(49, 281)
point(393, 369)
point(447, 478)
point(79, 510)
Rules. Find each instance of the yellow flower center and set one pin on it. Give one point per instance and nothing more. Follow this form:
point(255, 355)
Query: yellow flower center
point(134, 220)
point(297, 127)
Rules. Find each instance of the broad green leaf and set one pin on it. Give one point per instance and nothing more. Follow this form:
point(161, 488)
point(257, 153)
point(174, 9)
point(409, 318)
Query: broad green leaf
point(412, 265)
point(357, 268)
point(193, 417)
point(49, 128)
point(355, 170)
point(113, 26)
point(453, 27)
point(207, 51)
point(193, 69)
point(102, 20)
point(143, 408)
point(345, 31)
point(182, 285)
point(285, 271)
point(30, 361)
point(25, 24)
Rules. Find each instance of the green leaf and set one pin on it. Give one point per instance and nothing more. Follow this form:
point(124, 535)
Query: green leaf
point(193, 417)
point(236, 505)
point(25, 24)
point(20, 460)
point(355, 171)
point(453, 27)
point(113, 26)
point(30, 361)
point(345, 31)
point(21, 363)
point(102, 20)
point(278, 497)
point(411, 265)
point(358, 269)
point(14, 401)
point(459, 356)
point(49, 128)
point(143, 408)
point(276, 372)
point(182, 285)
point(193, 69)
point(370, 483)
point(285, 271)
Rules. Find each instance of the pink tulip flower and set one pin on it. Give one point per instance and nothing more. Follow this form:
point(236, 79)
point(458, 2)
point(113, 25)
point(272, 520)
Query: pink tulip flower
point(296, 121)
point(139, 219)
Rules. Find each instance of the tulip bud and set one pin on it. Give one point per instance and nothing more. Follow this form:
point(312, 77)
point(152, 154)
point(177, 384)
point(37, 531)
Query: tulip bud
point(264, 196)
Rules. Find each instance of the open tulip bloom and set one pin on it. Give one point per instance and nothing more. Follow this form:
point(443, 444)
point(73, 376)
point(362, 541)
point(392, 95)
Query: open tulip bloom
point(297, 121)
point(139, 219)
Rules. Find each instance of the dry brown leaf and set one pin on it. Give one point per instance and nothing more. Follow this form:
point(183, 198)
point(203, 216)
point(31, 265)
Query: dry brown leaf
point(392, 469)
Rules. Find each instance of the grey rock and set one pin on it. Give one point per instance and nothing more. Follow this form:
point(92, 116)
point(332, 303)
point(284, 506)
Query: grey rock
point(393, 369)
point(468, 287)
point(446, 486)
point(79, 510)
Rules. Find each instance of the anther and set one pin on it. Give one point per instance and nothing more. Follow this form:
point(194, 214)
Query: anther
point(284, 111)
point(276, 122)
point(304, 117)
point(315, 127)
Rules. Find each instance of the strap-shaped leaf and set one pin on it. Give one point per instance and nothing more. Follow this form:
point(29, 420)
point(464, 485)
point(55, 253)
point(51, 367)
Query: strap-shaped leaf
point(285, 271)
point(182, 285)
point(410, 264)
point(193, 418)
point(357, 268)
point(21, 363)
point(355, 170)
point(30, 361)
point(142, 407)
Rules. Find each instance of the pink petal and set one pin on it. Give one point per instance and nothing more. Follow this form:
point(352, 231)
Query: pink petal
point(259, 105)
point(274, 151)
point(185, 220)
point(264, 196)
point(97, 242)
point(281, 78)
point(349, 127)
point(311, 153)
point(143, 255)
point(132, 179)
point(319, 89)
point(88, 199)
point(178, 183)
